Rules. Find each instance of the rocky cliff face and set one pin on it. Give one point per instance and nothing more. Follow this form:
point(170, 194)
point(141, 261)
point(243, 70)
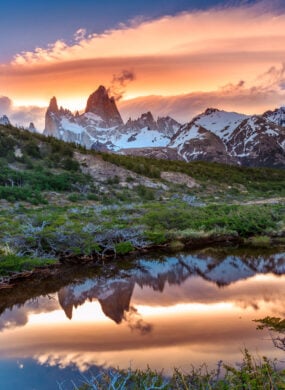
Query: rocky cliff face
point(195, 143)
point(100, 104)
point(258, 142)
point(52, 119)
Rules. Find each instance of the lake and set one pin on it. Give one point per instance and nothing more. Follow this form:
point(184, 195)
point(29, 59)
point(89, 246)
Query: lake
point(164, 311)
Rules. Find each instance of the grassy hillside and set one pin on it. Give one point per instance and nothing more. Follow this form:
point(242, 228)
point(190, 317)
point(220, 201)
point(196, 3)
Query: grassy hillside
point(211, 176)
point(32, 163)
point(50, 209)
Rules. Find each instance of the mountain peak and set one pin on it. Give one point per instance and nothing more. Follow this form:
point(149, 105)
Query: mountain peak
point(53, 107)
point(4, 120)
point(102, 89)
point(211, 110)
point(101, 104)
point(277, 116)
point(32, 127)
point(147, 116)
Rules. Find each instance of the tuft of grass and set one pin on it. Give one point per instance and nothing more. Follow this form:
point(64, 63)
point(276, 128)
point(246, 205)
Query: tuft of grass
point(260, 241)
point(13, 263)
point(176, 245)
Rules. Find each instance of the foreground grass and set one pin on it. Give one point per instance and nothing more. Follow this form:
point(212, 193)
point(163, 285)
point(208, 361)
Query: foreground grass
point(44, 233)
point(252, 374)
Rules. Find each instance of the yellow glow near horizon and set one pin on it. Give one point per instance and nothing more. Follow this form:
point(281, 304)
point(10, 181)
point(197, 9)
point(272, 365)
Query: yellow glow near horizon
point(92, 312)
point(89, 312)
point(185, 308)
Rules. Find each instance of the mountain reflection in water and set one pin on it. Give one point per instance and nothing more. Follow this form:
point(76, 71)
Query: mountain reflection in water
point(176, 311)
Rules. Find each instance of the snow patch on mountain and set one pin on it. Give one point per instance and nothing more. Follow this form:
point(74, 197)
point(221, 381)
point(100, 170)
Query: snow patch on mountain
point(142, 139)
point(73, 127)
point(277, 116)
point(221, 123)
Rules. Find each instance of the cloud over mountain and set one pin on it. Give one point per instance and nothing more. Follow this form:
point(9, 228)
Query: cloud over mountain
point(22, 115)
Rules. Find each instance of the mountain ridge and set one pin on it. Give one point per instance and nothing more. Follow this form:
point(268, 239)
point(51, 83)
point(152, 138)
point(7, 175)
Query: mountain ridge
point(214, 135)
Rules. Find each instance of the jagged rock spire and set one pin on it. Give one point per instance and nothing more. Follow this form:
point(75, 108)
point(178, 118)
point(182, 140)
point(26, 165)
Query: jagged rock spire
point(51, 118)
point(101, 104)
point(53, 107)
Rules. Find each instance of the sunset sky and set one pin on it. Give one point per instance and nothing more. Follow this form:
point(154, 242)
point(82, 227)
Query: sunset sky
point(177, 53)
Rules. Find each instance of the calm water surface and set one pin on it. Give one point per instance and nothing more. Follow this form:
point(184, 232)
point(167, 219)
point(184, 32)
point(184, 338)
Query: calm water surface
point(168, 311)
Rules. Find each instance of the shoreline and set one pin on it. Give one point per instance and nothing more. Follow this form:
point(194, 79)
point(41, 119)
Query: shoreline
point(112, 259)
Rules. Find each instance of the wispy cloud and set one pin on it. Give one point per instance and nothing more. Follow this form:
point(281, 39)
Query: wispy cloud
point(216, 29)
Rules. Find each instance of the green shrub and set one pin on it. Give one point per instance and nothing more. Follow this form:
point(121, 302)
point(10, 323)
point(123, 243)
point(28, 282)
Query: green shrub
point(260, 241)
point(70, 165)
point(92, 196)
point(31, 148)
point(244, 220)
point(74, 198)
point(145, 193)
point(156, 237)
point(123, 248)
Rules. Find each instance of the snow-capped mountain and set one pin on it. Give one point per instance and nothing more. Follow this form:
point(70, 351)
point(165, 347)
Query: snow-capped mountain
point(197, 143)
point(101, 125)
point(258, 141)
point(232, 138)
point(4, 120)
point(277, 116)
point(214, 135)
point(221, 123)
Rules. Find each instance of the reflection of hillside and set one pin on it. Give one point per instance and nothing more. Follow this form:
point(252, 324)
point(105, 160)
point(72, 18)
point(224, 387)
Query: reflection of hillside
point(114, 294)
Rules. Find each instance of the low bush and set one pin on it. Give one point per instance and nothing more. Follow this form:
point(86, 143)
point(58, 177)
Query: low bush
point(244, 220)
point(122, 248)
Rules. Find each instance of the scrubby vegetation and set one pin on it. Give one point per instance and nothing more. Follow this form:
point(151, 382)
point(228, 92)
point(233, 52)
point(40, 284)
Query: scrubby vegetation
point(50, 209)
point(96, 230)
point(32, 163)
point(252, 374)
point(238, 180)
